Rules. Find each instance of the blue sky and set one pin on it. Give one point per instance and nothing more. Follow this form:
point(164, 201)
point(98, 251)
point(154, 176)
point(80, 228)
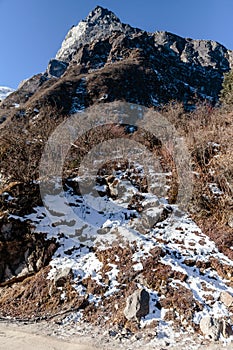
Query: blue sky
point(31, 31)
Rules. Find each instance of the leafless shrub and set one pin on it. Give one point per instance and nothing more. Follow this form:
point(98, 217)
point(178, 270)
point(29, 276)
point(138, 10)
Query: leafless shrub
point(22, 143)
point(208, 133)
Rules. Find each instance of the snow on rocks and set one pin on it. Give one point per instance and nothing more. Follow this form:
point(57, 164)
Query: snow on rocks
point(96, 26)
point(112, 256)
point(74, 35)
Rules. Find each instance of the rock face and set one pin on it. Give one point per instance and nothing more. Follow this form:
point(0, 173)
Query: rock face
point(22, 252)
point(179, 67)
point(99, 24)
point(137, 305)
point(155, 67)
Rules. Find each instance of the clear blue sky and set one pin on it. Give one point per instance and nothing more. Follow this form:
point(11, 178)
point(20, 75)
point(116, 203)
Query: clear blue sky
point(31, 31)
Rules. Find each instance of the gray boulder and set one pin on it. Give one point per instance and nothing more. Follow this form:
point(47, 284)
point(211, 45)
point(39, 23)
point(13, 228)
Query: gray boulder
point(137, 305)
point(152, 216)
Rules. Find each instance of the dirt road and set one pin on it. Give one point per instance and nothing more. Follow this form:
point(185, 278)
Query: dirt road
point(20, 340)
point(13, 338)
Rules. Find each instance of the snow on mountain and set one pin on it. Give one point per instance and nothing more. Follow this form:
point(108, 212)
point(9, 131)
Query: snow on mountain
point(4, 92)
point(98, 24)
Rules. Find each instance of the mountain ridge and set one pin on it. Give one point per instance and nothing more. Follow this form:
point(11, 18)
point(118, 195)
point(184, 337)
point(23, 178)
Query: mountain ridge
point(103, 17)
point(175, 68)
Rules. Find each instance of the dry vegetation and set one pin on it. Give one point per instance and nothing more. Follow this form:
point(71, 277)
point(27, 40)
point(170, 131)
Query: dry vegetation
point(208, 133)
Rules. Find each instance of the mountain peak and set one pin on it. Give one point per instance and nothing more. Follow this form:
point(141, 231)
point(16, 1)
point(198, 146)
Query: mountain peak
point(99, 23)
point(99, 14)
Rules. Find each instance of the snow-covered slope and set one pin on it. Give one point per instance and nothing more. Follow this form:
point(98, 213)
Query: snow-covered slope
point(156, 248)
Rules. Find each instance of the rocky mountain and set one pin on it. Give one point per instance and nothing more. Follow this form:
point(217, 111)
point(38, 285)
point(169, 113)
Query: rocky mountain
point(161, 66)
point(146, 268)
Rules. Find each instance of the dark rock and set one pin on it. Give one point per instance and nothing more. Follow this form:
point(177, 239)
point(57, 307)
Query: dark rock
point(21, 253)
point(57, 68)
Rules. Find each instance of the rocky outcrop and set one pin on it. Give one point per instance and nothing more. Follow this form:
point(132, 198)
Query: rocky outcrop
point(99, 24)
point(22, 252)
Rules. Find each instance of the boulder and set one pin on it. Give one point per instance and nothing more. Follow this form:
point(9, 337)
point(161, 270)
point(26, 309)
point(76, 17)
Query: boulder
point(210, 327)
point(226, 298)
point(213, 328)
point(137, 305)
point(62, 275)
point(57, 68)
point(152, 216)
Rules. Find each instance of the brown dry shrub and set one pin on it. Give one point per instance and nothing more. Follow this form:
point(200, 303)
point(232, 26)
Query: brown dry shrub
point(208, 133)
point(22, 142)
